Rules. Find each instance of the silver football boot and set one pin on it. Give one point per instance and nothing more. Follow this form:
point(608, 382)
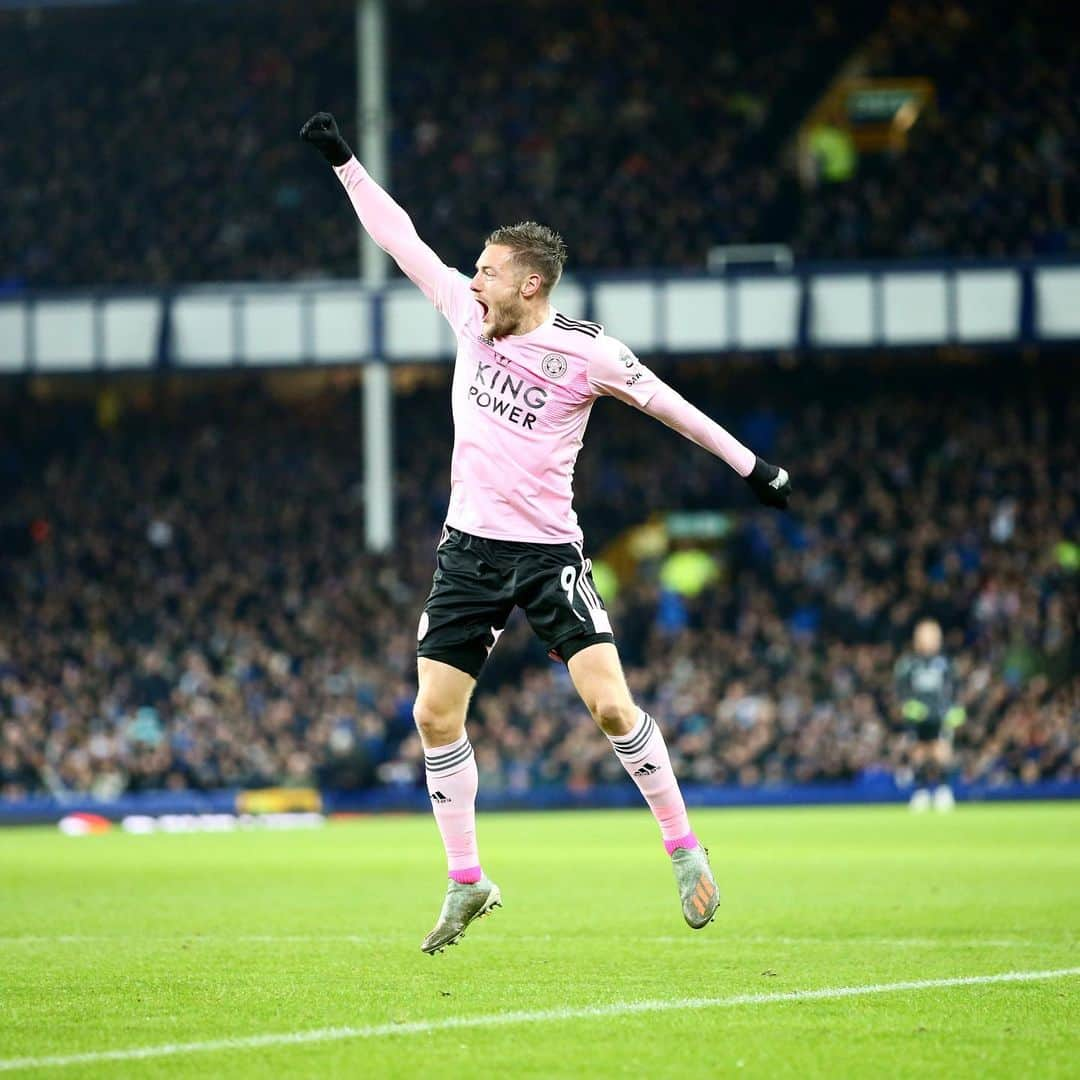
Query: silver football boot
point(697, 886)
point(462, 905)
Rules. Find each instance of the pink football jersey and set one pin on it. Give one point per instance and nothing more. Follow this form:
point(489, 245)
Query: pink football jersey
point(521, 403)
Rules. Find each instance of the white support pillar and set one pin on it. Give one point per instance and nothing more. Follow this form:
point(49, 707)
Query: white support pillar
point(378, 409)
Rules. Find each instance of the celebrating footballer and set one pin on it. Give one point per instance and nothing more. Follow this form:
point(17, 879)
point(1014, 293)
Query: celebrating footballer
point(525, 380)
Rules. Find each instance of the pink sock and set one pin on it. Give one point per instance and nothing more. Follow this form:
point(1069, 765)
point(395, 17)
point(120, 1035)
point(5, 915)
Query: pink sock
point(644, 756)
point(452, 783)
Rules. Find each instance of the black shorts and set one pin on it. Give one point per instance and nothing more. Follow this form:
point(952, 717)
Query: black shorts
point(928, 731)
point(478, 582)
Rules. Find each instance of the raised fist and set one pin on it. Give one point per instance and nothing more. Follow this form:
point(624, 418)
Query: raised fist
point(322, 132)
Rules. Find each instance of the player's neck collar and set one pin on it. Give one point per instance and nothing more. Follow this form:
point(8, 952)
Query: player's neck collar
point(547, 320)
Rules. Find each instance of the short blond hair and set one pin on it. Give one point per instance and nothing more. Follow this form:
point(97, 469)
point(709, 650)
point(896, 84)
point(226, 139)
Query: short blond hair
point(536, 248)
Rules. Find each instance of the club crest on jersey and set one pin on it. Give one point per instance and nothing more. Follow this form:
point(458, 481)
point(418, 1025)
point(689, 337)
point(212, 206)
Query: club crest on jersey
point(554, 365)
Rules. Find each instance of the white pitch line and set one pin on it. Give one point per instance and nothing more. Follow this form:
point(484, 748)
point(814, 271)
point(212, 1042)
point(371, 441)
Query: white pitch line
point(585, 1012)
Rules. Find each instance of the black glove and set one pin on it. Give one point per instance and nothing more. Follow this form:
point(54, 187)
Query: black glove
point(770, 484)
point(322, 132)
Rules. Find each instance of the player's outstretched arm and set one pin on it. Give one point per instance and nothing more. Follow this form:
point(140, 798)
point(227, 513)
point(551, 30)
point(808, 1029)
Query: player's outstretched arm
point(383, 219)
point(769, 483)
point(617, 371)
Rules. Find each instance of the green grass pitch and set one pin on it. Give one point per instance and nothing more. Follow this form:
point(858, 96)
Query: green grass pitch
point(118, 943)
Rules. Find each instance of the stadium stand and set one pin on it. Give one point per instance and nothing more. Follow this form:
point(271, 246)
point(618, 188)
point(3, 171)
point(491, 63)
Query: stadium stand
point(183, 165)
point(647, 164)
point(185, 603)
point(989, 172)
point(643, 143)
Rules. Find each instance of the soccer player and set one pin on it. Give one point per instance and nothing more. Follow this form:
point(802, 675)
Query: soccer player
point(524, 382)
point(925, 690)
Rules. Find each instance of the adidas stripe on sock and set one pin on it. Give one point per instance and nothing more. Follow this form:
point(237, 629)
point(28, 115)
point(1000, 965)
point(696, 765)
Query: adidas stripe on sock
point(452, 783)
point(644, 755)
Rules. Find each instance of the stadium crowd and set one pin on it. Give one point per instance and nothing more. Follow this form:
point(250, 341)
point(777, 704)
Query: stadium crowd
point(645, 138)
point(989, 170)
point(185, 602)
point(184, 165)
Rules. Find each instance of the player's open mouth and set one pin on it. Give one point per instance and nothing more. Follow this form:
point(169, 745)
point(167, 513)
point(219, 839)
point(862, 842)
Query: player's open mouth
point(483, 307)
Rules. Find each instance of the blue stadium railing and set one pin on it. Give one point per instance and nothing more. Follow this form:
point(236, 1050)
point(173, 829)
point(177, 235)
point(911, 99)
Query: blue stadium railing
point(43, 809)
point(883, 305)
